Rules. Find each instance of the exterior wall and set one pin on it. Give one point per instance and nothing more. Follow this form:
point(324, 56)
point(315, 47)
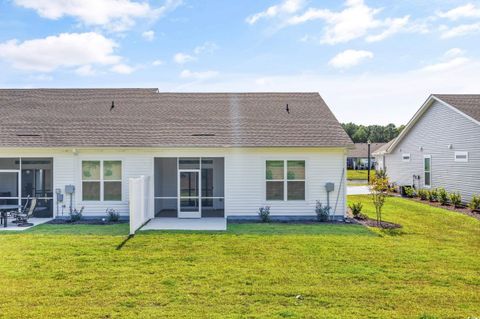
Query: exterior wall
point(439, 127)
point(244, 175)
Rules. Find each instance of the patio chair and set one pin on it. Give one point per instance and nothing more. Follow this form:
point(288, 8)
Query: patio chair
point(22, 218)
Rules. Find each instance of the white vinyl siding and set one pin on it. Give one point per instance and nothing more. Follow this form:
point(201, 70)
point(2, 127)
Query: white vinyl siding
point(244, 176)
point(436, 133)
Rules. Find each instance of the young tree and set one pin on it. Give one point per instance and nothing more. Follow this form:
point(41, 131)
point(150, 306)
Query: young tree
point(379, 191)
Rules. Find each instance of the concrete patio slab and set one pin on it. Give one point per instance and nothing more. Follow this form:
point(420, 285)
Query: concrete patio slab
point(186, 224)
point(35, 221)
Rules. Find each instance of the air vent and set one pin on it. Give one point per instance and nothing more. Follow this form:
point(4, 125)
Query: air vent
point(203, 134)
point(29, 135)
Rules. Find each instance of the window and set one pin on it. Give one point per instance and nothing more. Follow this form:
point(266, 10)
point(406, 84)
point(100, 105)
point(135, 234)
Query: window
point(406, 157)
point(102, 180)
point(461, 156)
point(427, 170)
point(285, 180)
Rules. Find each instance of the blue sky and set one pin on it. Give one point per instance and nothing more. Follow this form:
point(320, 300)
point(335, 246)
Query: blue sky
point(374, 62)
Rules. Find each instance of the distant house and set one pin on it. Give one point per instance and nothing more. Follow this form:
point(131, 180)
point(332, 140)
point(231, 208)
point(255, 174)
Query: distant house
point(204, 154)
point(358, 156)
point(439, 147)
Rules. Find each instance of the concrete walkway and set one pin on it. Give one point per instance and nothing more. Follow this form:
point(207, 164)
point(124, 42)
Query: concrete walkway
point(186, 224)
point(357, 190)
point(34, 221)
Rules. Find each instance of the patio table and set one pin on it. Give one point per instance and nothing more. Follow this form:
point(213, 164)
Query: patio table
point(4, 209)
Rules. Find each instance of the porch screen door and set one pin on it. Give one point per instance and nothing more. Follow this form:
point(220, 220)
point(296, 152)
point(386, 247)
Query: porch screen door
point(189, 194)
point(10, 187)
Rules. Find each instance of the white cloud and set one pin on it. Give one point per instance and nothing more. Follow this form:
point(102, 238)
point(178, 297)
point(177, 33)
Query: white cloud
point(451, 59)
point(392, 26)
point(64, 50)
point(207, 47)
point(122, 69)
point(149, 35)
point(461, 30)
point(182, 58)
point(85, 70)
point(157, 62)
point(349, 58)
point(114, 15)
point(205, 75)
point(356, 20)
point(468, 10)
point(285, 7)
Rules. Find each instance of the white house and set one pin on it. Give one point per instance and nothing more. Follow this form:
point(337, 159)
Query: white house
point(206, 154)
point(439, 147)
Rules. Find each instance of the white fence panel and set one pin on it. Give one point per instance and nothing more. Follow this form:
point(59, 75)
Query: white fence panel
point(140, 212)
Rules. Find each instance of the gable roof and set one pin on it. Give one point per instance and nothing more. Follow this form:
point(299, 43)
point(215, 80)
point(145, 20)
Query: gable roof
point(468, 105)
point(147, 118)
point(383, 149)
point(361, 149)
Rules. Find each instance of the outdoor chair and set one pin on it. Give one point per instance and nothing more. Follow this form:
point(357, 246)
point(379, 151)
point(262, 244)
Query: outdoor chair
point(22, 217)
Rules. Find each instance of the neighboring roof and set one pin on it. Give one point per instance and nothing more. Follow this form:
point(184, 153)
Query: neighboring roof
point(361, 149)
point(467, 105)
point(147, 118)
point(383, 149)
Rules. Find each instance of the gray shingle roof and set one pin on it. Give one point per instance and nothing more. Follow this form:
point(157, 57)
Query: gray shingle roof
point(466, 103)
point(361, 149)
point(146, 118)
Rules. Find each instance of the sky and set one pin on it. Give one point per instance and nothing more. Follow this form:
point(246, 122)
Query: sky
point(374, 62)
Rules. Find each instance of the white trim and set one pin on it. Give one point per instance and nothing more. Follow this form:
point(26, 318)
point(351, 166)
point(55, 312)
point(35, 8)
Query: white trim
point(101, 181)
point(285, 180)
point(198, 213)
point(462, 154)
point(430, 171)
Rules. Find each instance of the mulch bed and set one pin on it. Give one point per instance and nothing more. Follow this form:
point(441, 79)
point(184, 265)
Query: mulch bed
point(59, 221)
point(373, 223)
point(461, 210)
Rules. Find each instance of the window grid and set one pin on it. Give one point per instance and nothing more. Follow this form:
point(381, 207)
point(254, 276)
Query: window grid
point(285, 180)
point(102, 181)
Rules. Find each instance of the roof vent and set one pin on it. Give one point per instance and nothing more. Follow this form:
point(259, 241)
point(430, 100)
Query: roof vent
point(203, 134)
point(287, 109)
point(28, 135)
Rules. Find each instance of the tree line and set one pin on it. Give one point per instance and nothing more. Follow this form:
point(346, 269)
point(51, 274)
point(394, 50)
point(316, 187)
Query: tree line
point(374, 133)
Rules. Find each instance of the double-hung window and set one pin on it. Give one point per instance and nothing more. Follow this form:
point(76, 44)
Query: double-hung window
point(285, 180)
point(102, 180)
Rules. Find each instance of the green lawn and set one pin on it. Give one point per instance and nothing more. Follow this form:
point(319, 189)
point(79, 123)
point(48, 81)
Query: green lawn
point(428, 269)
point(358, 174)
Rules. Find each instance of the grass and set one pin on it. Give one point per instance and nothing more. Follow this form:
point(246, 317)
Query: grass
point(430, 269)
point(358, 174)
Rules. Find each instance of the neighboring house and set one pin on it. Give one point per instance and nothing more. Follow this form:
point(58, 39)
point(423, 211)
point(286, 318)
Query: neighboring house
point(358, 156)
point(439, 147)
point(206, 154)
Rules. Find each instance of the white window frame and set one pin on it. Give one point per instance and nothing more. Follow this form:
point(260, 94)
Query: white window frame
point(461, 153)
point(285, 181)
point(102, 181)
point(429, 171)
point(404, 159)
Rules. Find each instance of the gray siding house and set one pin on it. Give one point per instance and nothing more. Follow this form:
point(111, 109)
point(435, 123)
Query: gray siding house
point(439, 147)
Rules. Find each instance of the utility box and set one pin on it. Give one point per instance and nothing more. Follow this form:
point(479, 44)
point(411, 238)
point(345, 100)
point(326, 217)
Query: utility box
point(329, 187)
point(69, 189)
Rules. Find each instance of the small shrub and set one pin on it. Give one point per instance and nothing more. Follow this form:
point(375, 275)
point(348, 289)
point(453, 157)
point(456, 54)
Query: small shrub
point(76, 215)
point(356, 209)
point(264, 213)
point(432, 195)
point(323, 212)
point(456, 199)
point(409, 191)
point(423, 194)
point(112, 215)
point(474, 204)
point(442, 196)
